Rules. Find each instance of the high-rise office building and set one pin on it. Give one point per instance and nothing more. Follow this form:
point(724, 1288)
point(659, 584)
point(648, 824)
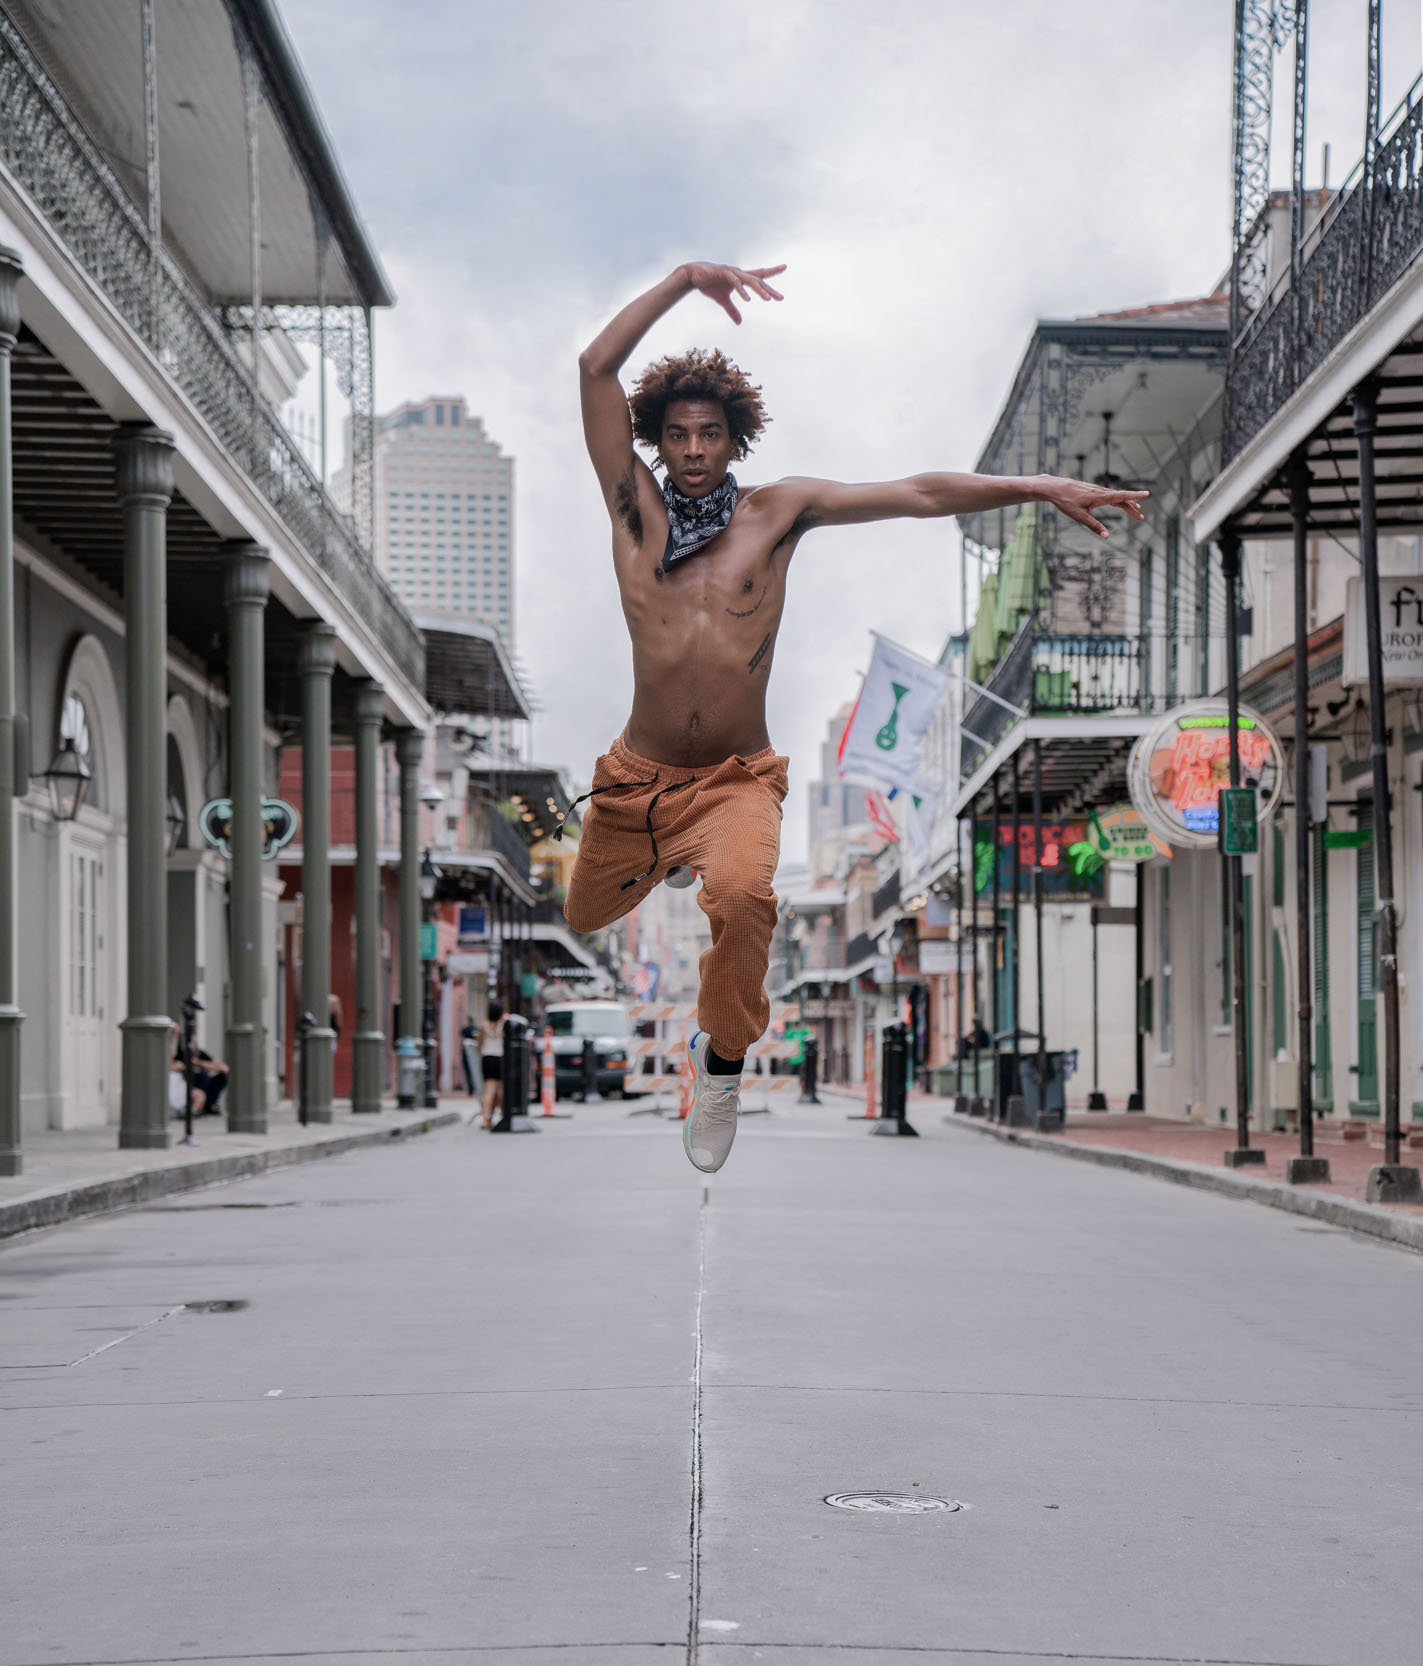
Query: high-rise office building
point(445, 513)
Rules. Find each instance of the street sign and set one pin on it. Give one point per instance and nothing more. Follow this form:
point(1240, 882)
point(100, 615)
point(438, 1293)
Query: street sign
point(429, 945)
point(473, 926)
point(1239, 830)
point(1348, 838)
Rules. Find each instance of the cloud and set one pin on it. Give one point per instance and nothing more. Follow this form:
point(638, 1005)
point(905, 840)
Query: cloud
point(937, 173)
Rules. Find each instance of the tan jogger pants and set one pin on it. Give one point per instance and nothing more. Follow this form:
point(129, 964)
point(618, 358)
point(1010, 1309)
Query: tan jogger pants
point(724, 821)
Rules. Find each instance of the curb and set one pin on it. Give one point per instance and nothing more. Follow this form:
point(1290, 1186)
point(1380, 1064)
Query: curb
point(102, 1197)
point(1370, 1218)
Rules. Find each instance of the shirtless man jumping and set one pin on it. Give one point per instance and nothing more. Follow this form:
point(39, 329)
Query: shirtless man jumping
point(692, 783)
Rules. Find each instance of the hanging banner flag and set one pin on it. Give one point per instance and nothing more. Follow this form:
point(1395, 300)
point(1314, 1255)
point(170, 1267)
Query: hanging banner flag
point(918, 810)
point(897, 703)
point(881, 817)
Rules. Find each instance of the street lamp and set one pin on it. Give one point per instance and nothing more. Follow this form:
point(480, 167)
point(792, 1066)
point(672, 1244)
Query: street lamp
point(68, 777)
point(429, 883)
point(176, 821)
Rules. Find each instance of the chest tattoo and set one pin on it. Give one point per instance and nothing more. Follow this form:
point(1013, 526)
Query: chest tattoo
point(738, 613)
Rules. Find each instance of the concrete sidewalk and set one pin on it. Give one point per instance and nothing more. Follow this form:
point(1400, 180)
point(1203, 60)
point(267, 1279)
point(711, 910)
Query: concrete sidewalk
point(562, 1401)
point(81, 1172)
point(1190, 1154)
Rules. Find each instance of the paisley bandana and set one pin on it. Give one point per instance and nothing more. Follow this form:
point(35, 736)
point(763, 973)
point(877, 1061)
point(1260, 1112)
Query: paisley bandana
point(695, 521)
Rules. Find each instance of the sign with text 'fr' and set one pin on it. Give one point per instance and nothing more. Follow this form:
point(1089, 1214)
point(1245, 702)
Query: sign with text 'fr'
point(1401, 629)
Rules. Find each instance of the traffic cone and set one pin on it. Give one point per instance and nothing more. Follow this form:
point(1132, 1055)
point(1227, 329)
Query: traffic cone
point(548, 1089)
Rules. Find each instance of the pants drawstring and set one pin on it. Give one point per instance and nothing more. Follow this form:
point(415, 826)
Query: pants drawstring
point(625, 786)
point(628, 884)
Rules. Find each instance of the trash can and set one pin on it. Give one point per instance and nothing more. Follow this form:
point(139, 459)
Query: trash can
point(1047, 1100)
point(409, 1072)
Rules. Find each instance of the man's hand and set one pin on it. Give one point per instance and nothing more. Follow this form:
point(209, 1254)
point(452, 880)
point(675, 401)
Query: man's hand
point(1080, 499)
point(719, 283)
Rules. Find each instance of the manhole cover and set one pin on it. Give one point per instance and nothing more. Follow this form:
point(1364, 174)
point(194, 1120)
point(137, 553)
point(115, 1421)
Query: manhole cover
point(896, 1503)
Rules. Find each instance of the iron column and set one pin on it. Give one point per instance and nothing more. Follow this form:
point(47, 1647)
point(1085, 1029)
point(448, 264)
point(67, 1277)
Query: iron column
point(1000, 1105)
point(1242, 1154)
point(145, 476)
point(1038, 923)
point(368, 1044)
point(1306, 1167)
point(409, 749)
point(245, 594)
point(317, 664)
point(11, 1161)
point(1016, 984)
point(973, 941)
point(1390, 1181)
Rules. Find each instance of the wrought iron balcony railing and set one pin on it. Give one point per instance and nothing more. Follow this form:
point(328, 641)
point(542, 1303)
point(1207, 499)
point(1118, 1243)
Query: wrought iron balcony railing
point(47, 151)
point(1045, 672)
point(1368, 234)
point(485, 829)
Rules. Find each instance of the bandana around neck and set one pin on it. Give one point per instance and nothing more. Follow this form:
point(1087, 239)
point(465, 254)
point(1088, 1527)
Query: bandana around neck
point(695, 521)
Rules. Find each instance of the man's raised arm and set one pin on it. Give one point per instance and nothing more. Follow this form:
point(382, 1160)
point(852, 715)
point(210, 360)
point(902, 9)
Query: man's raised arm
point(921, 496)
point(607, 425)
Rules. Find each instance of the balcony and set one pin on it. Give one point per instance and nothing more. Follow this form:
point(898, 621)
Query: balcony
point(49, 154)
point(485, 830)
point(1046, 673)
point(1369, 233)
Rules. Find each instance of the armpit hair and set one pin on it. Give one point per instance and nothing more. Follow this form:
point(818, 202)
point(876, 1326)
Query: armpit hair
point(625, 505)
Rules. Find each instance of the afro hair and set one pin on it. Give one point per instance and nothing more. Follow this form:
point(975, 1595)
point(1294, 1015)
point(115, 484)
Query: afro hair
point(698, 374)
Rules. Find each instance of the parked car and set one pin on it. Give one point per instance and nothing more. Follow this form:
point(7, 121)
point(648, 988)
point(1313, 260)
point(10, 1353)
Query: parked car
point(610, 1028)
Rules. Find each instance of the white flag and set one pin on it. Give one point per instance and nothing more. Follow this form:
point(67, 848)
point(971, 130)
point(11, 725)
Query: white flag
point(900, 695)
point(919, 810)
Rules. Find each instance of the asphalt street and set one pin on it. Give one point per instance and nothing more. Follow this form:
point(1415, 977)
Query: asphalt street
point(551, 1400)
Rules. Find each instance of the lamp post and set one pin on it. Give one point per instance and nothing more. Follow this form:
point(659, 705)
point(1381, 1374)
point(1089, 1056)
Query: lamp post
point(429, 883)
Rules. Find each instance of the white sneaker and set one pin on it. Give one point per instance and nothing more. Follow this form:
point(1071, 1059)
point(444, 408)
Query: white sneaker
point(716, 1100)
point(680, 877)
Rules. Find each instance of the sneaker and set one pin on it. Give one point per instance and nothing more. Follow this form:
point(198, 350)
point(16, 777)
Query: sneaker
point(680, 877)
point(711, 1124)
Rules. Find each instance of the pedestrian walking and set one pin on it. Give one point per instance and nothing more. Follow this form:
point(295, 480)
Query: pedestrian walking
point(693, 784)
point(491, 1061)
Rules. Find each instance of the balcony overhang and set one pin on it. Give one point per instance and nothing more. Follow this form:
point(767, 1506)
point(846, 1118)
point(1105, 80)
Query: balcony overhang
point(467, 668)
point(95, 53)
point(1081, 755)
point(465, 873)
point(1251, 491)
point(540, 789)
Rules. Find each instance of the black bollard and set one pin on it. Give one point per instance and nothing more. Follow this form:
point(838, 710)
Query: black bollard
point(514, 1111)
point(591, 1096)
point(305, 1024)
point(809, 1069)
point(894, 1083)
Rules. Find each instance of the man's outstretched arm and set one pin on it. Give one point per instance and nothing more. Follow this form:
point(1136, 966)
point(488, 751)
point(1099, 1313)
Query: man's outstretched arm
point(607, 425)
point(809, 503)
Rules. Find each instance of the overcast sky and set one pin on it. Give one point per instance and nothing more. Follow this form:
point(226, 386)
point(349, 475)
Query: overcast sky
point(936, 173)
